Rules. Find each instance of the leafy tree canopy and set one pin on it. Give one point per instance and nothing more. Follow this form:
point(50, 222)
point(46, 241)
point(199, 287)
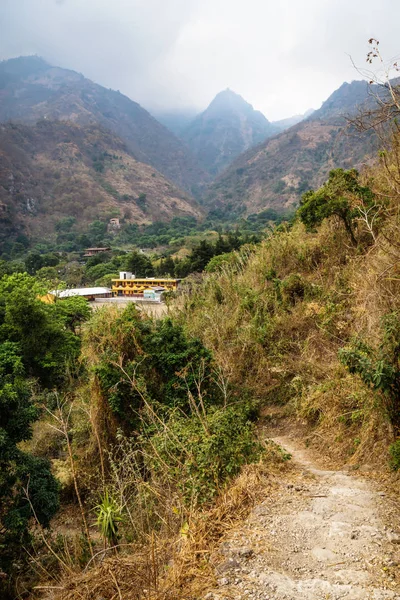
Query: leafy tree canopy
point(339, 196)
point(41, 330)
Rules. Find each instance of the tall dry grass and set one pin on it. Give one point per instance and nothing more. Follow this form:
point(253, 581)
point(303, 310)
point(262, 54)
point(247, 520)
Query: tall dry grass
point(283, 348)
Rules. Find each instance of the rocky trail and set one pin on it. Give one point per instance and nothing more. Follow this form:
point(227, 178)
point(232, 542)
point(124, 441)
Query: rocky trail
point(323, 534)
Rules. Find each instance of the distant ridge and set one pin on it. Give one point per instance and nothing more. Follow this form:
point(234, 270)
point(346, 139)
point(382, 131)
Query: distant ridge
point(284, 124)
point(31, 89)
point(275, 173)
point(228, 127)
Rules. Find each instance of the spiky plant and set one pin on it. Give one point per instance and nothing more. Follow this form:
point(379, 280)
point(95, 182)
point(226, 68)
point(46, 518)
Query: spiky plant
point(108, 516)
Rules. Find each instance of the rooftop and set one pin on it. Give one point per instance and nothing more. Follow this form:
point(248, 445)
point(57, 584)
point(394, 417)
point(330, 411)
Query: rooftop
point(91, 291)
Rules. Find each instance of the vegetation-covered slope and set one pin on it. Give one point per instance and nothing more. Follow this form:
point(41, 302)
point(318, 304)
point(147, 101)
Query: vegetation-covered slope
point(31, 89)
point(58, 169)
point(159, 415)
point(310, 318)
point(228, 127)
point(284, 124)
point(277, 172)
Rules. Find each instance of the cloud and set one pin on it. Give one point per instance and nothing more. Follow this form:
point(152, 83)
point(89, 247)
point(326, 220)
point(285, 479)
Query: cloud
point(282, 57)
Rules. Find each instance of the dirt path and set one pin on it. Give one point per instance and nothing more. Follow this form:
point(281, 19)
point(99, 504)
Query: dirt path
point(322, 535)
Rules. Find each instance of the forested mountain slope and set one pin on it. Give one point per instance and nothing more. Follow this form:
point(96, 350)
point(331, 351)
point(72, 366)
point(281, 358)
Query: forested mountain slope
point(58, 169)
point(278, 171)
point(31, 89)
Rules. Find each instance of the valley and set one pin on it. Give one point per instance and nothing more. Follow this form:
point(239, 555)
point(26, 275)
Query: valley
point(199, 336)
point(70, 148)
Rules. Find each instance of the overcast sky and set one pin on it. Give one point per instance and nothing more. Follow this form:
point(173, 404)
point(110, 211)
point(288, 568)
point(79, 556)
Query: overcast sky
point(282, 56)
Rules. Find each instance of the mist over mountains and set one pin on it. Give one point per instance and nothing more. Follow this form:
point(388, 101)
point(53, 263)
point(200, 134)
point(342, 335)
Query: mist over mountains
point(31, 89)
point(57, 154)
point(228, 127)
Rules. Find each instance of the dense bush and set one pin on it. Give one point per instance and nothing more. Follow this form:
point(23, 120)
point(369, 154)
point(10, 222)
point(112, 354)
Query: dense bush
point(202, 451)
point(142, 361)
point(46, 344)
point(379, 368)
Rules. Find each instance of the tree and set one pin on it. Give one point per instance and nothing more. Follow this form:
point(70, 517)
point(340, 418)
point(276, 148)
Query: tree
point(339, 196)
point(74, 311)
point(200, 256)
point(222, 246)
point(33, 262)
point(98, 271)
point(139, 264)
point(45, 343)
point(19, 471)
point(166, 267)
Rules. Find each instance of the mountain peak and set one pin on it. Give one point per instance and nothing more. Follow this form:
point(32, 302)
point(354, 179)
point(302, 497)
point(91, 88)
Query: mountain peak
point(23, 66)
point(228, 127)
point(229, 101)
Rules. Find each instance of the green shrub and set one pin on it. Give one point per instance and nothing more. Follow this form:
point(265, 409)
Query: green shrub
point(203, 452)
point(379, 367)
point(160, 365)
point(394, 451)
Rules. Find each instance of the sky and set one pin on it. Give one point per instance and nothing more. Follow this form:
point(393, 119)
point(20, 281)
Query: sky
point(282, 56)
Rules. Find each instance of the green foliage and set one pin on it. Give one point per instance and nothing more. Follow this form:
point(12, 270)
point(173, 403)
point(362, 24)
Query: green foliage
point(139, 264)
point(65, 224)
point(74, 312)
point(379, 368)
point(141, 201)
point(38, 328)
point(394, 451)
point(217, 263)
point(19, 470)
point(161, 365)
point(97, 259)
point(108, 515)
point(166, 267)
point(98, 271)
point(202, 453)
point(338, 196)
point(35, 261)
point(97, 232)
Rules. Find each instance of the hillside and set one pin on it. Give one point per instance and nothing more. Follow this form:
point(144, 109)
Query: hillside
point(266, 407)
point(284, 124)
point(228, 127)
point(31, 89)
point(58, 169)
point(277, 172)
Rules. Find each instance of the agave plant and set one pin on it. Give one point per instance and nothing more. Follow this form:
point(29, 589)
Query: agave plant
point(108, 516)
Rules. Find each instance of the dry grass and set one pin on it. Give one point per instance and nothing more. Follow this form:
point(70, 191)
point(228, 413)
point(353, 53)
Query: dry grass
point(288, 352)
point(167, 568)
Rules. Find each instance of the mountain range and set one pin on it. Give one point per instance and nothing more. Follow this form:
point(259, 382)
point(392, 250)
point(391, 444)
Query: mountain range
point(228, 127)
point(70, 147)
point(275, 173)
point(31, 89)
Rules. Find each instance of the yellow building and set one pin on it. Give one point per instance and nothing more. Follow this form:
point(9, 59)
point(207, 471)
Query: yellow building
point(129, 285)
